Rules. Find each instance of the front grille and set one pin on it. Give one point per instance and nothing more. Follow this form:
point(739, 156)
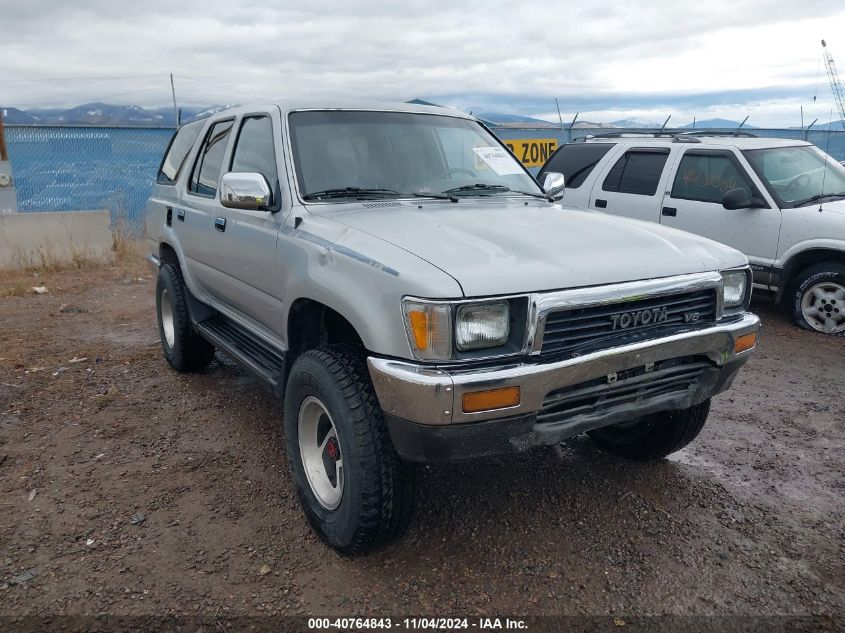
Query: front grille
point(631, 387)
point(591, 328)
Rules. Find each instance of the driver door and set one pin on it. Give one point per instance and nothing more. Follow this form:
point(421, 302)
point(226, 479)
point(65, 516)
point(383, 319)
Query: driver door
point(694, 203)
point(245, 258)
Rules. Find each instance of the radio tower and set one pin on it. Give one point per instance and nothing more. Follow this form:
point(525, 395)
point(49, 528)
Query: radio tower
point(835, 83)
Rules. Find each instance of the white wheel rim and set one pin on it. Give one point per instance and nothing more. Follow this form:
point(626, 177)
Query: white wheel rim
point(320, 453)
point(167, 318)
point(823, 307)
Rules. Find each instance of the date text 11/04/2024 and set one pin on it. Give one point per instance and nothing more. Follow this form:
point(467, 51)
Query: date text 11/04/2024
point(417, 624)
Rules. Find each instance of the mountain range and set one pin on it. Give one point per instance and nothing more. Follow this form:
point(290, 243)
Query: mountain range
point(103, 114)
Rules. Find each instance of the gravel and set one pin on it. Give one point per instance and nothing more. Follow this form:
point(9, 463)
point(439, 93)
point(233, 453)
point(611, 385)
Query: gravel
point(166, 493)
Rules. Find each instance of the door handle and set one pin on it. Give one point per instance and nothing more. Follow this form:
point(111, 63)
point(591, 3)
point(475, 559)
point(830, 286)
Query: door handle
point(220, 224)
point(601, 204)
point(670, 211)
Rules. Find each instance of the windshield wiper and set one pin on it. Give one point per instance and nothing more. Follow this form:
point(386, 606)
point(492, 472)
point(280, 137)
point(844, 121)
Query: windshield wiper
point(436, 196)
point(358, 192)
point(817, 197)
point(350, 192)
point(480, 186)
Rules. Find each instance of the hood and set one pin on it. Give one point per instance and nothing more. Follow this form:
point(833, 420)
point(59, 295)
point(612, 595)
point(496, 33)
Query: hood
point(510, 247)
point(835, 206)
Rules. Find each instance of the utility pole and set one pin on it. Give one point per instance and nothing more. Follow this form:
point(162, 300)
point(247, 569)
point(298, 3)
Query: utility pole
point(175, 109)
point(663, 127)
point(743, 122)
point(560, 118)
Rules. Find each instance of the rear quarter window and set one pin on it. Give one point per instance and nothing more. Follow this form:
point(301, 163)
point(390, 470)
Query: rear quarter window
point(575, 161)
point(638, 171)
point(177, 152)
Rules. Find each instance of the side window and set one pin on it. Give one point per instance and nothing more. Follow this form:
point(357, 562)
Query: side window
point(254, 150)
point(210, 160)
point(177, 152)
point(637, 172)
point(575, 161)
point(706, 177)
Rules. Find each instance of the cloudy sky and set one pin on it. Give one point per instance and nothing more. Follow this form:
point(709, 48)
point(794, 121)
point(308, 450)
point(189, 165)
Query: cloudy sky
point(606, 60)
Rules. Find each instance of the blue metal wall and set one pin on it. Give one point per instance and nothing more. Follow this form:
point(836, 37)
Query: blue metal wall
point(81, 168)
point(77, 168)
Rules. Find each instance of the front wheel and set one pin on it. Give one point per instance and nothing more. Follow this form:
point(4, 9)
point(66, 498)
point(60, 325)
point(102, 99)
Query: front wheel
point(818, 299)
point(355, 491)
point(654, 436)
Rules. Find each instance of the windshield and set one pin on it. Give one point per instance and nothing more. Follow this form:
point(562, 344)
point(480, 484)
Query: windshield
point(800, 175)
point(352, 154)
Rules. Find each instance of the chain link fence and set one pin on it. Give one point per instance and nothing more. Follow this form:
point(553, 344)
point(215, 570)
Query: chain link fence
point(84, 168)
point(113, 168)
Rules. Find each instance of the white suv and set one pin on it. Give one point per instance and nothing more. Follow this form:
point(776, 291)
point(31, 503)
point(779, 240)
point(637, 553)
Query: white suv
point(779, 201)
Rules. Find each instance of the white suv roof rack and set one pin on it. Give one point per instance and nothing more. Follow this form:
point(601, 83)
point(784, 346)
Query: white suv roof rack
point(676, 137)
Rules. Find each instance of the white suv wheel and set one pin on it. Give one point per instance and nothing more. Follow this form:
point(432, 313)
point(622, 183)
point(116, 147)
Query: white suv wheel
point(823, 307)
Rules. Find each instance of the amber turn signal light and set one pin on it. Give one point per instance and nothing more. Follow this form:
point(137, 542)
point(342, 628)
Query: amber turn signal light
point(476, 401)
point(419, 328)
point(745, 342)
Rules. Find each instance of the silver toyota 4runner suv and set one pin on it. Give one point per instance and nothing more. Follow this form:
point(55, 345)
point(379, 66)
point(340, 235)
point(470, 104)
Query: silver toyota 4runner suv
point(416, 296)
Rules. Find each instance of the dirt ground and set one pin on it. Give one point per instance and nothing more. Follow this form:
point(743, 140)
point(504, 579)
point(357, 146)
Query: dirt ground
point(126, 488)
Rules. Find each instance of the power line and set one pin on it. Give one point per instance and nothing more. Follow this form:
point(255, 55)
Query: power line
point(225, 88)
point(103, 78)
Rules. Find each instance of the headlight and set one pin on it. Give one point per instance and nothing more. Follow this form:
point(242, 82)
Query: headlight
point(734, 285)
point(482, 325)
point(432, 326)
point(429, 327)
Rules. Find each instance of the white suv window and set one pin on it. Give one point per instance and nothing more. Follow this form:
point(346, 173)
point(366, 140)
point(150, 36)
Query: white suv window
point(637, 172)
point(706, 176)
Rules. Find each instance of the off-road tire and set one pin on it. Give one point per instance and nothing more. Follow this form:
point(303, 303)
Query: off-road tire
point(826, 272)
point(378, 487)
point(654, 436)
point(189, 351)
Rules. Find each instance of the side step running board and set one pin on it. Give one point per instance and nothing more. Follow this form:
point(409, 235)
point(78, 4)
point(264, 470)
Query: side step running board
point(263, 360)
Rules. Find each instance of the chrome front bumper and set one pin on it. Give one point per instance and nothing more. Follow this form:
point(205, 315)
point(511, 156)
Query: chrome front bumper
point(432, 395)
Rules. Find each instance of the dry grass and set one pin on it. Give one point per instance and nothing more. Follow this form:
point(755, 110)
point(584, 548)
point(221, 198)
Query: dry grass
point(128, 261)
point(128, 248)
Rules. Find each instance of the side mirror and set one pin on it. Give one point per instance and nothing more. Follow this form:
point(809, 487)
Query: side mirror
point(554, 184)
point(737, 199)
point(248, 191)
